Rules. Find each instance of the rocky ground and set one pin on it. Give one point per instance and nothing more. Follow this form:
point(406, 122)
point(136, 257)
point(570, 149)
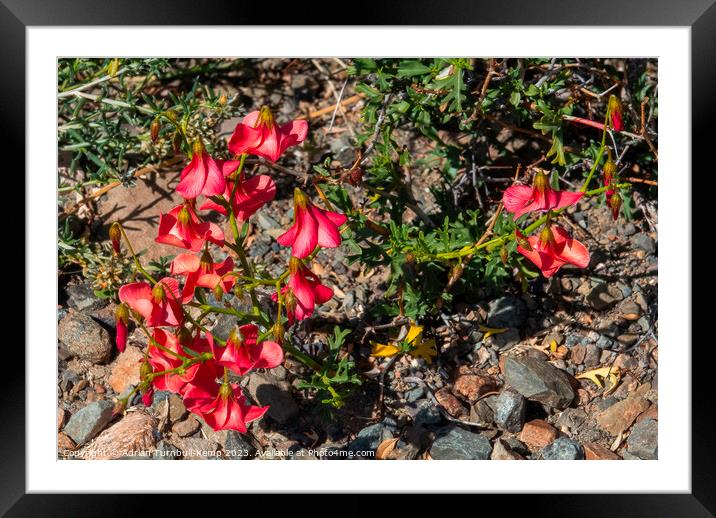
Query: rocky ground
point(518, 394)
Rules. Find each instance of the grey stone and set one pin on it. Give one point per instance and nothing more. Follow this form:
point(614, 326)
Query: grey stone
point(236, 446)
point(591, 359)
point(412, 395)
point(506, 312)
point(165, 451)
point(481, 413)
point(510, 410)
point(644, 242)
point(454, 443)
point(89, 421)
point(539, 381)
point(573, 340)
point(502, 451)
point(194, 448)
point(563, 449)
point(603, 296)
point(605, 342)
point(267, 390)
point(370, 437)
point(426, 413)
point(505, 340)
point(643, 439)
point(628, 229)
point(81, 297)
point(85, 338)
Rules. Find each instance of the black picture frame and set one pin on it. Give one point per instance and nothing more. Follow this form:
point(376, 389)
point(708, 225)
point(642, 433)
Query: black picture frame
point(700, 15)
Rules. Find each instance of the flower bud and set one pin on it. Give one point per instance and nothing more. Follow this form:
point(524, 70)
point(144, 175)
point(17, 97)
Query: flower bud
point(115, 234)
point(541, 182)
point(610, 169)
point(158, 293)
point(504, 255)
point(218, 292)
point(615, 203)
point(122, 314)
point(615, 112)
point(154, 130)
point(145, 371)
point(222, 100)
point(546, 237)
point(522, 241)
point(176, 142)
point(278, 331)
point(148, 396)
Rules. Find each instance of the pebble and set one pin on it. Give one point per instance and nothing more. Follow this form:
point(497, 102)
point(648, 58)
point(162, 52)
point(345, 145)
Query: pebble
point(538, 433)
point(132, 436)
point(594, 451)
point(563, 449)
point(505, 340)
point(267, 390)
point(426, 413)
point(449, 402)
point(578, 354)
point(89, 421)
point(506, 312)
point(64, 443)
point(539, 381)
point(644, 242)
point(454, 443)
point(510, 411)
point(593, 354)
point(502, 451)
point(81, 297)
point(85, 338)
point(619, 417)
point(61, 417)
point(603, 296)
point(643, 438)
point(473, 386)
point(187, 427)
point(481, 413)
point(370, 437)
point(412, 395)
point(124, 370)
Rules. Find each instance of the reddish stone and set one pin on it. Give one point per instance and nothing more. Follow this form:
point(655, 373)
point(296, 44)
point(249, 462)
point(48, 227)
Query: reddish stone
point(450, 403)
point(473, 386)
point(125, 369)
point(594, 451)
point(538, 433)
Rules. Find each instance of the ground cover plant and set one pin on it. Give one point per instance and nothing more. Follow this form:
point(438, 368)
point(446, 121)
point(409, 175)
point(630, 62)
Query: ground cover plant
point(394, 258)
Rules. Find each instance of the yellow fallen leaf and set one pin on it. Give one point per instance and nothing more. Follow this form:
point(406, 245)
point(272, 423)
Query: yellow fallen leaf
point(384, 350)
point(489, 331)
point(597, 375)
point(553, 346)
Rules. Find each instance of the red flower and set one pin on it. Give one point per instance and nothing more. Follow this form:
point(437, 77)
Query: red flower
point(311, 226)
point(302, 292)
point(158, 305)
point(122, 321)
point(181, 227)
point(241, 356)
point(197, 374)
point(615, 113)
point(258, 134)
point(521, 199)
point(250, 195)
point(148, 396)
point(202, 176)
point(203, 273)
point(223, 407)
point(554, 248)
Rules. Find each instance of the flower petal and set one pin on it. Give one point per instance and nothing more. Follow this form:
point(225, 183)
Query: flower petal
point(518, 199)
point(184, 264)
point(193, 177)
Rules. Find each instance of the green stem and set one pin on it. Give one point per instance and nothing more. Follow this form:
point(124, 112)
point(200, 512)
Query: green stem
point(302, 357)
point(602, 147)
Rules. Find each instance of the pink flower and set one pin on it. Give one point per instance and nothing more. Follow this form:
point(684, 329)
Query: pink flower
point(202, 176)
point(243, 353)
point(302, 292)
point(122, 321)
point(197, 374)
point(223, 407)
point(181, 227)
point(158, 305)
point(311, 226)
point(521, 199)
point(258, 134)
point(554, 248)
point(203, 273)
point(250, 195)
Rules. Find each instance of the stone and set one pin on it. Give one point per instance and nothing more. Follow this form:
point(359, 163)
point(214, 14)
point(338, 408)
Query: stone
point(454, 443)
point(449, 402)
point(571, 419)
point(124, 370)
point(165, 451)
point(620, 416)
point(592, 356)
point(370, 437)
point(81, 297)
point(193, 448)
point(644, 242)
point(563, 449)
point(603, 296)
point(132, 436)
point(236, 447)
point(643, 440)
point(538, 433)
point(267, 390)
point(65, 444)
point(426, 413)
point(89, 421)
point(539, 381)
point(473, 386)
point(481, 413)
point(578, 353)
point(84, 337)
point(162, 399)
point(502, 451)
point(594, 451)
point(61, 417)
point(506, 312)
point(506, 339)
point(631, 311)
point(510, 411)
point(412, 395)
point(187, 427)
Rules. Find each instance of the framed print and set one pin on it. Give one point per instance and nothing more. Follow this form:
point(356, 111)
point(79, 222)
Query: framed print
point(433, 238)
